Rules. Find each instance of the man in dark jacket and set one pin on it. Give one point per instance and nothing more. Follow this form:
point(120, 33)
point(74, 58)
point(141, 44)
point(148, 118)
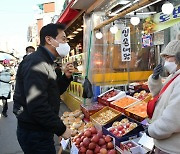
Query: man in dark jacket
point(37, 92)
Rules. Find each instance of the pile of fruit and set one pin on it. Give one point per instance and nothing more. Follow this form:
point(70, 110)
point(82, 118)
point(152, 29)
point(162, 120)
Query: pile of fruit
point(73, 120)
point(120, 128)
point(93, 142)
point(139, 109)
point(127, 145)
point(141, 96)
point(109, 94)
point(124, 102)
point(103, 117)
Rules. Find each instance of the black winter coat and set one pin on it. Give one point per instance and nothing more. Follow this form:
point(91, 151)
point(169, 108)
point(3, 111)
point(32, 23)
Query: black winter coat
point(37, 93)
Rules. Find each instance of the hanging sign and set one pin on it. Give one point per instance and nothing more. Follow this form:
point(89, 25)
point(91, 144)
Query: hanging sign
point(125, 44)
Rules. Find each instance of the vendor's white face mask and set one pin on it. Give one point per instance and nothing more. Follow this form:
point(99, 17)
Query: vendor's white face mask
point(170, 66)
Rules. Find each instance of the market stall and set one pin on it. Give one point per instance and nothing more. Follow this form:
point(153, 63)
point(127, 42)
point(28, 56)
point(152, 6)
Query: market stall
point(118, 55)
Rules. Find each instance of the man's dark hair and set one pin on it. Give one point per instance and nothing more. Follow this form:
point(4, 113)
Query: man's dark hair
point(29, 47)
point(50, 30)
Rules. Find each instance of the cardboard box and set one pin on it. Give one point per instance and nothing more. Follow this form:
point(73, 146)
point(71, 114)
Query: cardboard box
point(137, 111)
point(107, 101)
point(99, 125)
point(121, 106)
point(90, 109)
point(130, 135)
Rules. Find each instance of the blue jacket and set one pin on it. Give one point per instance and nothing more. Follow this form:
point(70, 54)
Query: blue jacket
point(5, 86)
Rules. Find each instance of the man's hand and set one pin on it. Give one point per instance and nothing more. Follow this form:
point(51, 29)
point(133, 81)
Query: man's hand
point(68, 70)
point(67, 134)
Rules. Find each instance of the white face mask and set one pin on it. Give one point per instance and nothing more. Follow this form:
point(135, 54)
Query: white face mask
point(170, 66)
point(63, 49)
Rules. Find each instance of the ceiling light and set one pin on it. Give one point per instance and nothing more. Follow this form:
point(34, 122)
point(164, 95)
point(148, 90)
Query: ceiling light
point(114, 29)
point(82, 25)
point(79, 29)
point(167, 8)
point(135, 20)
point(75, 32)
point(99, 35)
point(71, 38)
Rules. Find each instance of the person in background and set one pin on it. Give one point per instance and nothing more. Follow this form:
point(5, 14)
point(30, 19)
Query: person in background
point(5, 86)
point(29, 50)
point(165, 126)
point(37, 93)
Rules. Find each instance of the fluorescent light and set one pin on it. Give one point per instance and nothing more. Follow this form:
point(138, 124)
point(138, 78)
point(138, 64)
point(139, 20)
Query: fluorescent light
point(124, 7)
point(79, 29)
point(71, 36)
point(123, 2)
point(148, 5)
point(142, 13)
point(75, 32)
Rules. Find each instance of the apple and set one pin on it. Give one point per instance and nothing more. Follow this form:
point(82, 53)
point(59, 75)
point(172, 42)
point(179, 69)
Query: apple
point(97, 149)
point(108, 139)
point(86, 141)
point(120, 127)
point(103, 151)
point(127, 125)
point(82, 149)
point(110, 145)
point(112, 151)
point(112, 129)
point(93, 130)
point(101, 141)
point(87, 133)
point(119, 135)
point(95, 138)
point(89, 152)
point(130, 144)
point(92, 146)
point(115, 132)
point(78, 141)
point(123, 131)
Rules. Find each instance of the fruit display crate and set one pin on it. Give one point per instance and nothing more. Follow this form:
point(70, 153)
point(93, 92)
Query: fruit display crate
point(137, 111)
point(109, 96)
point(90, 109)
point(130, 135)
point(122, 101)
point(97, 114)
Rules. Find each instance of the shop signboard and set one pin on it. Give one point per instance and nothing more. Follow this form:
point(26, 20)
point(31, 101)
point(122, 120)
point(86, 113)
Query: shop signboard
point(125, 44)
point(163, 21)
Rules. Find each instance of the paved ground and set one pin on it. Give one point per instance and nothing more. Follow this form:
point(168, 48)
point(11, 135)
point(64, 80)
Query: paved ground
point(8, 140)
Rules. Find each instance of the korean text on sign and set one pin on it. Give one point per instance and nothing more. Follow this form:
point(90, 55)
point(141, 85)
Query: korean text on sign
point(125, 44)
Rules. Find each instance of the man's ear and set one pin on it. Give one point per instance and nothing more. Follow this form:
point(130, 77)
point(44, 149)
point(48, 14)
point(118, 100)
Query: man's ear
point(48, 40)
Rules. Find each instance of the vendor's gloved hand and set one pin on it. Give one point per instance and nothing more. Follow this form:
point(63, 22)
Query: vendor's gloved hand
point(157, 71)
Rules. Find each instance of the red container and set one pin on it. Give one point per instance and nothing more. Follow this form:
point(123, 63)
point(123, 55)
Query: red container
point(89, 110)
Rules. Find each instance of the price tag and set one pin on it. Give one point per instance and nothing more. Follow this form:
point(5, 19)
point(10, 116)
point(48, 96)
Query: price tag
point(146, 141)
point(64, 143)
point(74, 149)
